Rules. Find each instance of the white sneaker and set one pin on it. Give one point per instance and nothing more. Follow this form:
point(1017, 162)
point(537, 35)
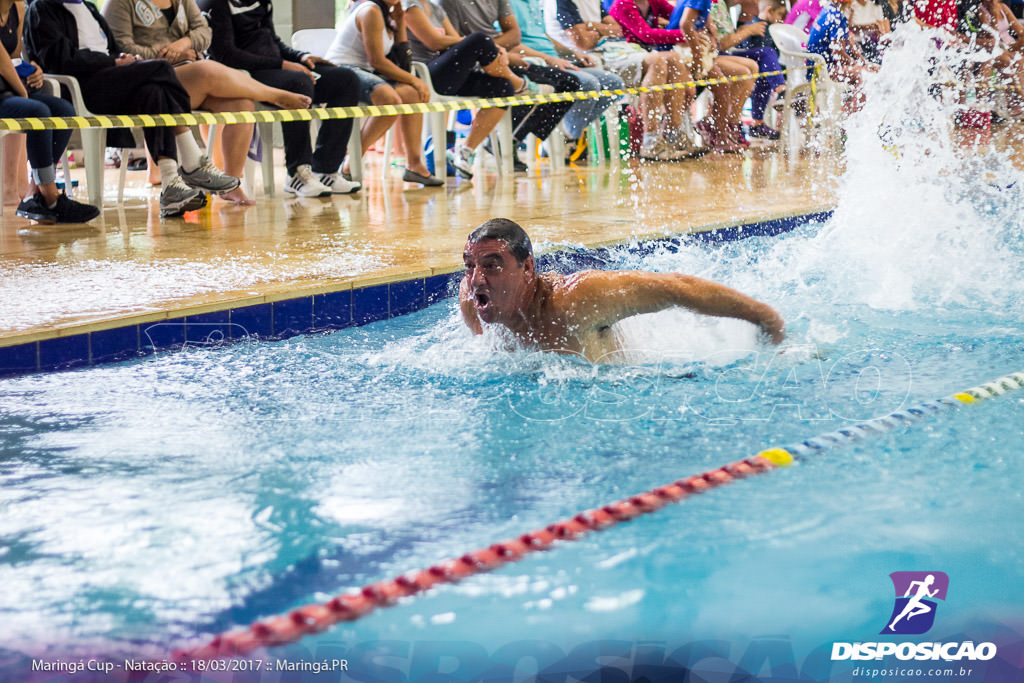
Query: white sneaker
point(461, 159)
point(305, 184)
point(337, 184)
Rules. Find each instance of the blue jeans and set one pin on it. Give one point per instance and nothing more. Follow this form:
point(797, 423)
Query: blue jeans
point(44, 147)
point(585, 111)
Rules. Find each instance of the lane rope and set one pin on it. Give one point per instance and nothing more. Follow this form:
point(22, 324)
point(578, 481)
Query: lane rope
point(316, 618)
point(324, 113)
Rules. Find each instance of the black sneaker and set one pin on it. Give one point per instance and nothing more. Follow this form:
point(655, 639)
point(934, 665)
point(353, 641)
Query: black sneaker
point(35, 209)
point(70, 211)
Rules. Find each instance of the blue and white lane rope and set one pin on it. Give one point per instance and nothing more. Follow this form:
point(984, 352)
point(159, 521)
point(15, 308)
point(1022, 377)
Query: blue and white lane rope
point(900, 418)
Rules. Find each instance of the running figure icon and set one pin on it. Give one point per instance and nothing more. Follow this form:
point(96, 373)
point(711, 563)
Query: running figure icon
point(915, 607)
point(916, 596)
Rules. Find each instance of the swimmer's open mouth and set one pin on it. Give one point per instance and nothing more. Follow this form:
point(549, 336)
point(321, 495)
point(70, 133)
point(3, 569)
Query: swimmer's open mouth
point(482, 300)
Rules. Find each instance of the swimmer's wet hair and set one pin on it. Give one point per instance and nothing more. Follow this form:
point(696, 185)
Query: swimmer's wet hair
point(508, 232)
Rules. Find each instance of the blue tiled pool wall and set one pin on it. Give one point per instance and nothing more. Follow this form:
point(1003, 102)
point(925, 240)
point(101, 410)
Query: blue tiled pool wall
point(317, 313)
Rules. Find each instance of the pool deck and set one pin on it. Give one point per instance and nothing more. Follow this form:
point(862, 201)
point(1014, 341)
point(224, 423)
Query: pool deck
point(129, 267)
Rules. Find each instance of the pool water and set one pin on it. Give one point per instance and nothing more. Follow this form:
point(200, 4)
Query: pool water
point(156, 502)
point(159, 499)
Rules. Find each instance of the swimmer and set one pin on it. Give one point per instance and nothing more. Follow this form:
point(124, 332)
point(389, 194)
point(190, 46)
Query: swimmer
point(574, 313)
point(914, 606)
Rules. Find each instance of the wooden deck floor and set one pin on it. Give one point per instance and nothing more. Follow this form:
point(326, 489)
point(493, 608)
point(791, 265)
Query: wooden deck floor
point(131, 265)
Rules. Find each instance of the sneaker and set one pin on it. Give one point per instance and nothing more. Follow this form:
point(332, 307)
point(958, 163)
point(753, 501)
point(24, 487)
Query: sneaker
point(660, 150)
point(34, 208)
point(176, 198)
point(764, 131)
point(338, 184)
point(461, 158)
point(689, 148)
point(70, 211)
point(305, 183)
point(208, 178)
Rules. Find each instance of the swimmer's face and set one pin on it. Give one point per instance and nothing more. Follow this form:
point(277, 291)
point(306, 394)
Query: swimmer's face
point(495, 281)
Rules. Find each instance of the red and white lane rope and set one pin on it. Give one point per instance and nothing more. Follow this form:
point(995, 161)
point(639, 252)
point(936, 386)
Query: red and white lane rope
point(351, 606)
point(316, 618)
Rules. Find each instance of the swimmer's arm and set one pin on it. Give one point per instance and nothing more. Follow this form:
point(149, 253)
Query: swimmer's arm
point(468, 311)
point(600, 299)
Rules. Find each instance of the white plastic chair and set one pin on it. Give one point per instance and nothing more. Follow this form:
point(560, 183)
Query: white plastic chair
point(94, 142)
point(316, 41)
point(794, 56)
point(437, 125)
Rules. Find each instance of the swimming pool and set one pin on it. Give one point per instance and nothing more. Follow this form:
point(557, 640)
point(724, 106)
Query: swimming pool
point(197, 491)
point(152, 502)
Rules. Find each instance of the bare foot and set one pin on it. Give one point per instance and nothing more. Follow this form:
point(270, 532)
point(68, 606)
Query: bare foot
point(291, 100)
point(237, 196)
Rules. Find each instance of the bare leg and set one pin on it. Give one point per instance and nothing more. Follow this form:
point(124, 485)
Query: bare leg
point(152, 170)
point(499, 69)
point(375, 126)
point(234, 143)
point(412, 131)
point(679, 101)
point(720, 98)
point(15, 169)
point(655, 73)
point(483, 123)
point(740, 90)
point(205, 78)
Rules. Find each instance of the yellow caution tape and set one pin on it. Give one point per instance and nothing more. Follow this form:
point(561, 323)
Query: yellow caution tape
point(324, 113)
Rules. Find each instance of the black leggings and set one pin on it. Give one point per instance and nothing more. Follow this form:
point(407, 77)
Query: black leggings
point(542, 119)
point(336, 87)
point(454, 71)
point(146, 87)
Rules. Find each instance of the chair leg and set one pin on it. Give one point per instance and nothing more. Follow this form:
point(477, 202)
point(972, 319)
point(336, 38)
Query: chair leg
point(211, 139)
point(531, 151)
point(439, 131)
point(611, 116)
point(93, 140)
point(556, 150)
point(507, 151)
point(596, 141)
point(122, 174)
point(266, 132)
point(69, 187)
point(355, 152)
point(389, 139)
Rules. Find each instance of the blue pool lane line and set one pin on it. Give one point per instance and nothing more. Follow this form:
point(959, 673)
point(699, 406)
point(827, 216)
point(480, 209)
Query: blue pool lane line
point(350, 606)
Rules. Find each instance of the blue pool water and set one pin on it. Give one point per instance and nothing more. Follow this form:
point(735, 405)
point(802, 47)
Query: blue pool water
point(154, 503)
